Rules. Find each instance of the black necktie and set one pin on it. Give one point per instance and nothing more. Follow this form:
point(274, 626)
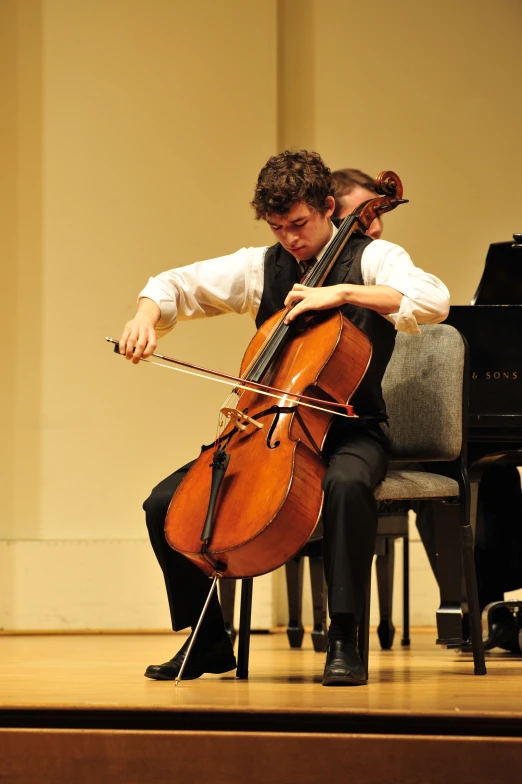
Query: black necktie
point(304, 267)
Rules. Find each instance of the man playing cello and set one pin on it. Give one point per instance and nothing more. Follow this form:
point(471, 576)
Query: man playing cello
point(379, 289)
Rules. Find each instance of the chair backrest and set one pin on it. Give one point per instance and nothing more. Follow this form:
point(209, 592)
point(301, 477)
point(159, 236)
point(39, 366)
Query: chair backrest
point(424, 387)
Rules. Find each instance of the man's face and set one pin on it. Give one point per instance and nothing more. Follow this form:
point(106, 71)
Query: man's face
point(303, 231)
point(350, 201)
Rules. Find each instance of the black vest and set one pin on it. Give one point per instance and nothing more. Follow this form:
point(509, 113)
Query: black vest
point(280, 274)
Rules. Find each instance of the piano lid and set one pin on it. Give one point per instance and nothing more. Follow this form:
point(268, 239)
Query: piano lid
point(501, 282)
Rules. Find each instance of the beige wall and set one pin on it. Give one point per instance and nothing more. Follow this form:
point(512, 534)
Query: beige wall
point(430, 90)
point(147, 128)
point(21, 261)
point(135, 133)
point(8, 254)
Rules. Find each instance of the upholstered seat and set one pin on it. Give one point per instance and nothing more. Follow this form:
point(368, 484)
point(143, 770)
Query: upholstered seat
point(415, 485)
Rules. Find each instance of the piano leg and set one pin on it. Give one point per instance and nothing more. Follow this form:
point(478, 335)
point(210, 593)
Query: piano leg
point(227, 596)
point(319, 596)
point(384, 564)
point(425, 523)
point(446, 532)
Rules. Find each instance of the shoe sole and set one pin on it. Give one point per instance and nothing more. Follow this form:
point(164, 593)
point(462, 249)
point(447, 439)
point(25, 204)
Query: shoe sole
point(191, 675)
point(344, 680)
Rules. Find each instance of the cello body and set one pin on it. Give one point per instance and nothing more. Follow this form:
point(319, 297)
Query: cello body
point(271, 497)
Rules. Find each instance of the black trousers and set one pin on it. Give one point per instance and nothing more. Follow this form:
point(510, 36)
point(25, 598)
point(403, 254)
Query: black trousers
point(357, 462)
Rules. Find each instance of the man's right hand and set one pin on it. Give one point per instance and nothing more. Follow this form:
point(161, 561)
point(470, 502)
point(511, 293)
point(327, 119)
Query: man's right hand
point(138, 339)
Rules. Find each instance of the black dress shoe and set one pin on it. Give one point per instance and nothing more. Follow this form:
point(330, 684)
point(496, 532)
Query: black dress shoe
point(214, 657)
point(343, 665)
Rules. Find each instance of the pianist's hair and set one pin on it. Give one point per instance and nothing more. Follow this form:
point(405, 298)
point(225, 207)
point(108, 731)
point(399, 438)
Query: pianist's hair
point(289, 178)
point(346, 180)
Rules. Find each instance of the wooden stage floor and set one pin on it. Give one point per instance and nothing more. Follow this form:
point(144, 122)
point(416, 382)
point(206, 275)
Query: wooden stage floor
point(53, 686)
point(104, 672)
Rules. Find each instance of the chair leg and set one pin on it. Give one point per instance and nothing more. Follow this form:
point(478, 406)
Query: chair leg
point(227, 596)
point(363, 637)
point(319, 596)
point(245, 616)
point(385, 563)
point(294, 589)
point(406, 591)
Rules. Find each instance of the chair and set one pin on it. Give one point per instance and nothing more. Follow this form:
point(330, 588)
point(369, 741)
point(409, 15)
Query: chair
point(426, 392)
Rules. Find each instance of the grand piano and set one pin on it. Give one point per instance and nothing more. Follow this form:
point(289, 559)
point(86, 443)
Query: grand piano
point(492, 325)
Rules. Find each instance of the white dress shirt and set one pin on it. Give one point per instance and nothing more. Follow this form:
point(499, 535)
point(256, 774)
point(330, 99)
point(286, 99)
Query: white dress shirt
point(234, 284)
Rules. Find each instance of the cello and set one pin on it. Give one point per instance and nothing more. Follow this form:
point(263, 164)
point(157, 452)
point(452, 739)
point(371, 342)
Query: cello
point(250, 508)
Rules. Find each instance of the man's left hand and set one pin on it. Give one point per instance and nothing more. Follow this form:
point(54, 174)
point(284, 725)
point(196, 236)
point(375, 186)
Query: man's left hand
point(303, 298)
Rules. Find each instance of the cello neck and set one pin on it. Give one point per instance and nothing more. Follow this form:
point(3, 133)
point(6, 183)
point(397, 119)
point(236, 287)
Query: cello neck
point(319, 272)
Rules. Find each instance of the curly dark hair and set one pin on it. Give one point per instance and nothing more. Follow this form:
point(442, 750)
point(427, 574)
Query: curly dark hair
point(289, 178)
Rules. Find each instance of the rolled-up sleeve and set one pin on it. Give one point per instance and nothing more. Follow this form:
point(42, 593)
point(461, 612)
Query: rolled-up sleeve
point(228, 284)
point(425, 298)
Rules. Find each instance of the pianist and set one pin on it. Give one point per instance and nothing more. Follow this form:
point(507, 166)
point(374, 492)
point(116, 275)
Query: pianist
point(498, 545)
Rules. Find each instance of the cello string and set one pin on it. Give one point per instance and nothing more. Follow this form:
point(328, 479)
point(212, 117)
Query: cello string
point(280, 329)
point(294, 396)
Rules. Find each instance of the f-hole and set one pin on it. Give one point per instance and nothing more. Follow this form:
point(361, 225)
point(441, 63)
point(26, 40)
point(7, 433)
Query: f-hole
point(272, 428)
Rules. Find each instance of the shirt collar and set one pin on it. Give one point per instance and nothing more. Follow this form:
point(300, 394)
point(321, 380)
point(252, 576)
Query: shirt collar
point(323, 250)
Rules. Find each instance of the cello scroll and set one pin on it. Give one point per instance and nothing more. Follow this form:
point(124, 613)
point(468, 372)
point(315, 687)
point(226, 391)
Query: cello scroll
point(389, 185)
